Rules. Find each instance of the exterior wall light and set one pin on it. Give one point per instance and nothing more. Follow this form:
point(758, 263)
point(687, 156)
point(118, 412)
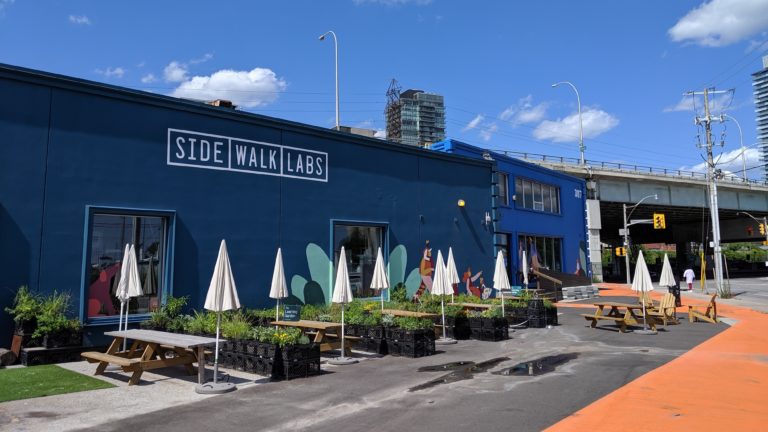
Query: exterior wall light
point(461, 203)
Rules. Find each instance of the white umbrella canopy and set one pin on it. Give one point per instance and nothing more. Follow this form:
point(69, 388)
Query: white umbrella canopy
point(667, 276)
point(380, 280)
point(342, 293)
point(129, 286)
point(453, 274)
point(222, 296)
point(500, 278)
point(642, 283)
point(122, 286)
point(642, 280)
point(441, 285)
point(279, 287)
point(524, 266)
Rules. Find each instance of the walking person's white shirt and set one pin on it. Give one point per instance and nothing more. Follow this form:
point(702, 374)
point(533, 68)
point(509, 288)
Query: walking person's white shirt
point(689, 275)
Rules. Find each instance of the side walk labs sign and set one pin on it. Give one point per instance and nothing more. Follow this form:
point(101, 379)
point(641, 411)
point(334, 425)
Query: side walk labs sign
point(199, 150)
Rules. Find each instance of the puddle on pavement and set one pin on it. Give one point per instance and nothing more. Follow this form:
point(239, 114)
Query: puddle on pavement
point(460, 371)
point(41, 414)
point(537, 367)
point(447, 367)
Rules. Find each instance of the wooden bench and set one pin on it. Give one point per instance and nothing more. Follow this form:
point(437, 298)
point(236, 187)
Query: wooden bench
point(124, 362)
point(618, 320)
point(709, 315)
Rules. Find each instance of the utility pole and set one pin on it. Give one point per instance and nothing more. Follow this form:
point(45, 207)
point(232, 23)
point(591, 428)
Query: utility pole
point(712, 175)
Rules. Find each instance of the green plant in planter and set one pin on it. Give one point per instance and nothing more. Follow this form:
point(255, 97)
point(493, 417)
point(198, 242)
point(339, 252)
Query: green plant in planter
point(174, 305)
point(310, 312)
point(411, 323)
point(388, 320)
point(492, 313)
point(286, 336)
point(355, 316)
point(178, 323)
point(52, 317)
point(372, 318)
point(201, 323)
point(237, 326)
point(399, 294)
point(26, 306)
point(454, 311)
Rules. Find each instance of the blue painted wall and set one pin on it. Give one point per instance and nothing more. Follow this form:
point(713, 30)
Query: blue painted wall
point(70, 145)
point(569, 225)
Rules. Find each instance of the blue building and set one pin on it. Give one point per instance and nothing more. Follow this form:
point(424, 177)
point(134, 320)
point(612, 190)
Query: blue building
point(534, 209)
point(86, 168)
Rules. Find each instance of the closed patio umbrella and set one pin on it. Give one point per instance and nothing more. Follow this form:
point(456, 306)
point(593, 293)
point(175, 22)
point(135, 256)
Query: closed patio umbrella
point(500, 278)
point(642, 283)
point(453, 274)
point(222, 296)
point(524, 268)
point(342, 293)
point(380, 280)
point(441, 286)
point(129, 286)
point(279, 288)
point(667, 276)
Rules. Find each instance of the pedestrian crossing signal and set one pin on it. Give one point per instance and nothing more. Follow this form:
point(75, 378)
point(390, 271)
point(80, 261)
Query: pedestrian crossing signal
point(658, 221)
point(621, 251)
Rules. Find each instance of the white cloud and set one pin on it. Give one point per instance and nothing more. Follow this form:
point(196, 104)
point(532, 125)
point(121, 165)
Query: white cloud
point(110, 72)
point(202, 59)
point(721, 22)
point(731, 162)
point(79, 20)
point(487, 131)
point(473, 123)
point(524, 112)
point(175, 72)
point(393, 2)
point(595, 123)
point(381, 134)
point(717, 104)
point(148, 78)
point(248, 89)
point(758, 44)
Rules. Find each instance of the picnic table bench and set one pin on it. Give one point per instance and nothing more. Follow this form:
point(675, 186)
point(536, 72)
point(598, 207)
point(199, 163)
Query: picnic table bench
point(149, 350)
point(320, 329)
point(628, 318)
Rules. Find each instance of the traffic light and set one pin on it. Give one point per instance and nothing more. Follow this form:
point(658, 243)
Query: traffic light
point(762, 229)
point(658, 221)
point(621, 251)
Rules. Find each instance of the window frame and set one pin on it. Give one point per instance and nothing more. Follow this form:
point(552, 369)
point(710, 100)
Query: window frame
point(531, 190)
point(332, 251)
point(167, 265)
point(503, 186)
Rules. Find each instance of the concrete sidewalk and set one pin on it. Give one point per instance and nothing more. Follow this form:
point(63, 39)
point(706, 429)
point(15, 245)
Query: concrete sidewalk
point(721, 384)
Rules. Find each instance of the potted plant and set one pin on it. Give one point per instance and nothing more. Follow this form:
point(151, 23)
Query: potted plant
point(26, 308)
point(53, 325)
point(417, 337)
point(489, 325)
point(163, 318)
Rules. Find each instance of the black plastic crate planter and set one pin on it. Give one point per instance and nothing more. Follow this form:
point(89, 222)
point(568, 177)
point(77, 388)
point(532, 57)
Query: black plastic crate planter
point(372, 345)
point(374, 332)
point(517, 316)
point(62, 339)
point(266, 350)
point(394, 348)
point(489, 329)
point(550, 315)
point(417, 335)
point(456, 328)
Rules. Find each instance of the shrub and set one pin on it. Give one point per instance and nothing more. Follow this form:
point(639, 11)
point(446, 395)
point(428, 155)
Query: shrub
point(411, 323)
point(52, 317)
point(174, 305)
point(237, 326)
point(398, 294)
point(201, 323)
point(492, 313)
point(26, 305)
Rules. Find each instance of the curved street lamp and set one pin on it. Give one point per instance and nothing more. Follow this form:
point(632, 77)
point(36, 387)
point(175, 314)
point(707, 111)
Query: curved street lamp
point(626, 230)
point(581, 126)
point(336, 49)
point(743, 150)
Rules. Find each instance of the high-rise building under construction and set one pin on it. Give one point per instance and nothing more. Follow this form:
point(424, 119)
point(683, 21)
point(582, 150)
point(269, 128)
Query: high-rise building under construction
point(760, 84)
point(414, 117)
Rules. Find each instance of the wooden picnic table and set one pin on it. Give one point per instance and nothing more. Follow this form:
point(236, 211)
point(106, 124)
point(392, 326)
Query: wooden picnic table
point(405, 313)
point(477, 306)
point(320, 330)
point(626, 318)
point(148, 351)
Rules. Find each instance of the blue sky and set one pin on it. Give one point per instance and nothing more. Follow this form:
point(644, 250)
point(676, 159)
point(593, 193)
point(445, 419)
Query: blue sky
point(494, 61)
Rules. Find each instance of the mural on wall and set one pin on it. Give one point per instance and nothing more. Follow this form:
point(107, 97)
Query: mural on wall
point(317, 289)
point(582, 259)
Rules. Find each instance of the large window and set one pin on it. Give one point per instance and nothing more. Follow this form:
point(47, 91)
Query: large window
point(537, 196)
point(503, 189)
point(108, 237)
point(542, 252)
point(361, 244)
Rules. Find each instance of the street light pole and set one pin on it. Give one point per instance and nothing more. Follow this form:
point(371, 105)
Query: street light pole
point(743, 150)
point(336, 50)
point(626, 231)
point(581, 125)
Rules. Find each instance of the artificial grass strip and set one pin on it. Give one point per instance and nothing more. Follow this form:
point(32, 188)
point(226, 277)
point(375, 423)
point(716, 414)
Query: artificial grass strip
point(46, 380)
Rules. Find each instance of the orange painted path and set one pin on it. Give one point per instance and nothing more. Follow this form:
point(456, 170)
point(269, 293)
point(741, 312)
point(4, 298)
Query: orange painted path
point(719, 385)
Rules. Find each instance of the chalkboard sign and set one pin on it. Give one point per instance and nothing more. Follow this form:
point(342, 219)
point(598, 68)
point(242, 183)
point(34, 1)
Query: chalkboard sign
point(292, 313)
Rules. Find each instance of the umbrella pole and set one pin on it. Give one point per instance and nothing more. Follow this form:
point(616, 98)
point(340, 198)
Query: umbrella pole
point(442, 308)
point(120, 321)
point(216, 355)
point(382, 301)
point(502, 304)
point(277, 311)
point(343, 353)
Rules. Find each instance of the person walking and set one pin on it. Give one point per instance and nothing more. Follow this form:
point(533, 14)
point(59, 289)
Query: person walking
point(689, 276)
